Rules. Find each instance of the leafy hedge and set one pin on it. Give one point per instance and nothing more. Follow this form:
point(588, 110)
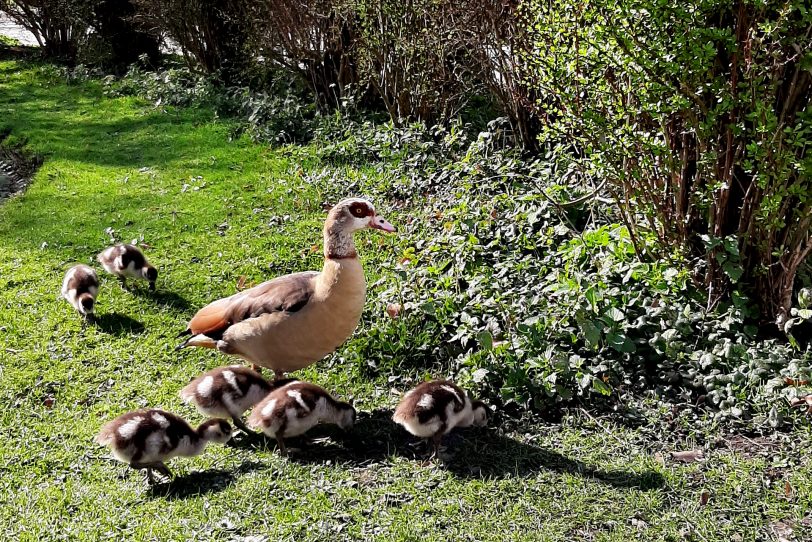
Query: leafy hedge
point(517, 285)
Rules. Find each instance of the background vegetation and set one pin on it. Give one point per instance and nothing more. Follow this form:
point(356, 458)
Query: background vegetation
point(602, 205)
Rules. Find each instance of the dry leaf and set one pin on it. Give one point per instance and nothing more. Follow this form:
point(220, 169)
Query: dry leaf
point(704, 497)
point(49, 401)
point(788, 491)
point(658, 457)
point(801, 401)
point(796, 382)
point(394, 310)
point(241, 282)
point(688, 456)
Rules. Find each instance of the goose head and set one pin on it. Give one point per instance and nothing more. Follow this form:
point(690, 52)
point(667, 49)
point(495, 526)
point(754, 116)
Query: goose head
point(353, 214)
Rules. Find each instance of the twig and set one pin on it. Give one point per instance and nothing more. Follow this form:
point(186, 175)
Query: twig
point(606, 429)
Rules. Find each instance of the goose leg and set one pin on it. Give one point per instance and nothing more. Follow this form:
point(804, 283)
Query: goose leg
point(123, 281)
point(435, 445)
point(163, 469)
point(240, 424)
point(280, 443)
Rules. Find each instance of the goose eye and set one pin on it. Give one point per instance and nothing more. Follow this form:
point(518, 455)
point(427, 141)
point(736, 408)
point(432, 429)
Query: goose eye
point(357, 211)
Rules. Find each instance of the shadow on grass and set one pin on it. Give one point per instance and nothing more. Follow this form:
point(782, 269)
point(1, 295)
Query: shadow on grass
point(114, 323)
point(373, 439)
point(470, 453)
point(201, 483)
point(163, 298)
point(481, 453)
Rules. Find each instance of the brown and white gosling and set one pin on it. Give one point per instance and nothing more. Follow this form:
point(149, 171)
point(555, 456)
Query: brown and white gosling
point(128, 261)
point(145, 439)
point(80, 287)
point(227, 392)
point(294, 408)
point(434, 408)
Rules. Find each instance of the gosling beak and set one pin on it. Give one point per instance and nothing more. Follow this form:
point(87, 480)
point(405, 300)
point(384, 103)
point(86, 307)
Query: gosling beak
point(152, 286)
point(380, 223)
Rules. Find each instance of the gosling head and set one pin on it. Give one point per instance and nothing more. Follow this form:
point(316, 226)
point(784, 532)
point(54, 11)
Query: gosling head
point(347, 416)
point(480, 411)
point(216, 430)
point(151, 274)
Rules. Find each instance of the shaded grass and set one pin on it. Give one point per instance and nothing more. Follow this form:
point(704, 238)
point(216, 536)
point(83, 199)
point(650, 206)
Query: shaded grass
point(210, 209)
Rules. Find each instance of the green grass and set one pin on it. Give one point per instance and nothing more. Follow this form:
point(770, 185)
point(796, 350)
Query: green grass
point(115, 169)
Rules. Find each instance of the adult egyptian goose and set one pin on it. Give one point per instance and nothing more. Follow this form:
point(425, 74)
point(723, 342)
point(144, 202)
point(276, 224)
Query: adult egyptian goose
point(434, 408)
point(294, 408)
point(80, 287)
point(144, 439)
point(128, 261)
point(227, 392)
point(292, 321)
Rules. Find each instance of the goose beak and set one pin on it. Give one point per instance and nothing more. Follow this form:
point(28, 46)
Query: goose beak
point(380, 223)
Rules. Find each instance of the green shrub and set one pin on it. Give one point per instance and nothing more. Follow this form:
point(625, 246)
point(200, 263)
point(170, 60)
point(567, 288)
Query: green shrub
point(697, 115)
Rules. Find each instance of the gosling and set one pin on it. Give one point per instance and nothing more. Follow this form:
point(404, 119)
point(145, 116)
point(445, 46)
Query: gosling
point(295, 408)
point(128, 261)
point(227, 392)
point(434, 408)
point(80, 287)
point(145, 439)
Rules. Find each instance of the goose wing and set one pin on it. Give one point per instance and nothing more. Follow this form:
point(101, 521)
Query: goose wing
point(283, 294)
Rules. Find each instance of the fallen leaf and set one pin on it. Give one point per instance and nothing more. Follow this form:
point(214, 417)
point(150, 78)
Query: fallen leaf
point(801, 401)
point(704, 497)
point(394, 310)
point(49, 401)
point(783, 531)
point(796, 382)
point(688, 456)
point(788, 491)
point(241, 282)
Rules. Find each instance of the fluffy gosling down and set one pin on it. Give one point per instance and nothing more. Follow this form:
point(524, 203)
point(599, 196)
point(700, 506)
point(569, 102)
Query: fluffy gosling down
point(145, 439)
point(227, 392)
point(128, 261)
point(294, 408)
point(434, 408)
point(80, 287)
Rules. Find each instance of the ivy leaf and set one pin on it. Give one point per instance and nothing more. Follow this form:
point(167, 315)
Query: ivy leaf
point(615, 314)
point(592, 333)
point(733, 271)
point(479, 375)
point(485, 339)
point(621, 343)
point(600, 386)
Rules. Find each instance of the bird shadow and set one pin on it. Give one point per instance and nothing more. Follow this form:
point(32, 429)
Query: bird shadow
point(162, 298)
point(202, 482)
point(114, 323)
point(473, 453)
point(373, 438)
point(482, 453)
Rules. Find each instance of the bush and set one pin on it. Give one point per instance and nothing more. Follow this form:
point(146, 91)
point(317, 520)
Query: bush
point(514, 280)
point(123, 35)
point(211, 34)
point(312, 40)
point(57, 25)
point(697, 114)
